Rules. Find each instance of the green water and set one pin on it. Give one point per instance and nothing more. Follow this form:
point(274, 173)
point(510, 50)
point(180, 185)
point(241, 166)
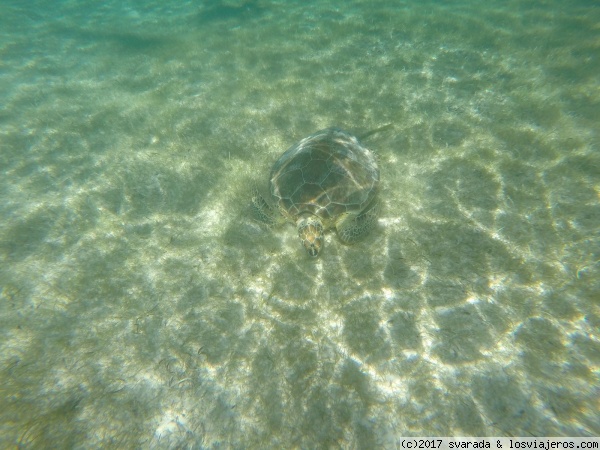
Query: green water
point(140, 305)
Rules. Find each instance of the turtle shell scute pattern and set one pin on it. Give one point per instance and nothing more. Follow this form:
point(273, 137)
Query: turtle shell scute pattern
point(327, 174)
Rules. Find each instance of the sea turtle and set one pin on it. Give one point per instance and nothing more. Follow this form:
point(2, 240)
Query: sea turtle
point(328, 179)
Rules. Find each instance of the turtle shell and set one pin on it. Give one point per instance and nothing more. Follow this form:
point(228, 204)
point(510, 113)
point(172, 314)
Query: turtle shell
point(327, 174)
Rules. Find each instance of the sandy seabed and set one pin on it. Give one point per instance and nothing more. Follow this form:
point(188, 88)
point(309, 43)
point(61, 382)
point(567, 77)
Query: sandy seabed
point(140, 305)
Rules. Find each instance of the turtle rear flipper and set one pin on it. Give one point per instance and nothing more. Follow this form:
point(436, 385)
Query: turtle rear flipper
point(352, 228)
point(261, 210)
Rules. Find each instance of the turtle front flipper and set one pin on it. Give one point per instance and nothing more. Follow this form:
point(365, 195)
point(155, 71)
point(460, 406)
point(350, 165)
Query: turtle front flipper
point(352, 228)
point(261, 210)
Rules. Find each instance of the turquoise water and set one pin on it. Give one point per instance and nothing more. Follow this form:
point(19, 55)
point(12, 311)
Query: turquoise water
point(140, 305)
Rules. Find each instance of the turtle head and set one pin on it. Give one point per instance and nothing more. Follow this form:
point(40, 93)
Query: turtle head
point(310, 230)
